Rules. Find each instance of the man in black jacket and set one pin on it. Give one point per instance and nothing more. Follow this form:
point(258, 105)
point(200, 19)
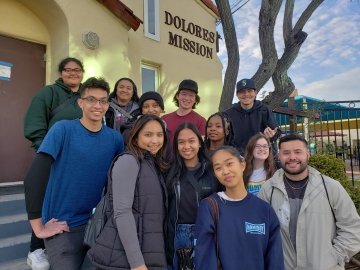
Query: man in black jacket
point(250, 116)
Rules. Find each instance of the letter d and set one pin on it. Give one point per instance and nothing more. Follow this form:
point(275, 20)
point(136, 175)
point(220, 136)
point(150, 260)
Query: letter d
point(168, 18)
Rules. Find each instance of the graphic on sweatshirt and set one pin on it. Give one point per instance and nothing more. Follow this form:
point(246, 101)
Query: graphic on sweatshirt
point(254, 187)
point(254, 228)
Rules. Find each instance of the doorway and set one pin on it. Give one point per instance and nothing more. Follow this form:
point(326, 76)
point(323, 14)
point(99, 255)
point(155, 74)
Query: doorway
point(23, 72)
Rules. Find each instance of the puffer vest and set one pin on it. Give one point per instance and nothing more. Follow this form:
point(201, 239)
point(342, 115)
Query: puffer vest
point(149, 213)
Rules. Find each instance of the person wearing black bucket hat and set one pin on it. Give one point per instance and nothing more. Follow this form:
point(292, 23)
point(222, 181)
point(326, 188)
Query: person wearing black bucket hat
point(186, 98)
point(250, 116)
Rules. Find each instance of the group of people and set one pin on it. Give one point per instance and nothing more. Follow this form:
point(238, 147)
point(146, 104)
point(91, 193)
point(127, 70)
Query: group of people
point(183, 192)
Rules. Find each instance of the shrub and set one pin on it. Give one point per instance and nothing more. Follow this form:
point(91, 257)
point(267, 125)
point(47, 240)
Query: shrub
point(335, 168)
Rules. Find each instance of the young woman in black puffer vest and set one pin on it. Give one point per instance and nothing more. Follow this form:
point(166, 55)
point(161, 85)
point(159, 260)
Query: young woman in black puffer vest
point(133, 236)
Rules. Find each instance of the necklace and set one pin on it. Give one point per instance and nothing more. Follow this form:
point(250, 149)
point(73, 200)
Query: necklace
point(295, 188)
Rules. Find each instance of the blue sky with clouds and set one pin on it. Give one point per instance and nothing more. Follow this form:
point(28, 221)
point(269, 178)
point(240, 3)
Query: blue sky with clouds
point(328, 65)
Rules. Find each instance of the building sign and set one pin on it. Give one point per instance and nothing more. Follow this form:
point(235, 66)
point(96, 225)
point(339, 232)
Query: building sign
point(177, 40)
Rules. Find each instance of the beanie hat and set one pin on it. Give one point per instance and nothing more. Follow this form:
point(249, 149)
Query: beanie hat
point(188, 85)
point(245, 84)
point(151, 95)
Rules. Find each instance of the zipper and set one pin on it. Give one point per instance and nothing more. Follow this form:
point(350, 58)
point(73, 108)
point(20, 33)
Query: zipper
point(177, 204)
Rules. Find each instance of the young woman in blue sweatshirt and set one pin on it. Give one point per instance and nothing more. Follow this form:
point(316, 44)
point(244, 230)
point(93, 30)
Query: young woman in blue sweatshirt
point(247, 234)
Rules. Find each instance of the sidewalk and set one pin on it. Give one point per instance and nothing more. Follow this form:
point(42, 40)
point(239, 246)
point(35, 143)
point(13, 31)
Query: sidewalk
point(352, 170)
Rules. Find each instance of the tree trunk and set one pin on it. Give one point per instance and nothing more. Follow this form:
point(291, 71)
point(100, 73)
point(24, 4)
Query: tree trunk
point(293, 40)
point(267, 18)
point(232, 51)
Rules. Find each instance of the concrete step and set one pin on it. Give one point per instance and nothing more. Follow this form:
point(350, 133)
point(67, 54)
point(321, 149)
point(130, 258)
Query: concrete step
point(19, 264)
point(11, 188)
point(14, 225)
point(15, 230)
point(12, 204)
point(15, 247)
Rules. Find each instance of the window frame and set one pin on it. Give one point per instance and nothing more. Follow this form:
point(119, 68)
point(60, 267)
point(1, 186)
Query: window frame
point(156, 79)
point(155, 36)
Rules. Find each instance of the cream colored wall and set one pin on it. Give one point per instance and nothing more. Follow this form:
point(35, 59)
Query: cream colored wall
point(60, 25)
point(175, 63)
point(19, 22)
point(110, 60)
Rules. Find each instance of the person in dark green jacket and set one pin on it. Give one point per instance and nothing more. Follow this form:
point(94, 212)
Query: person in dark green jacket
point(52, 103)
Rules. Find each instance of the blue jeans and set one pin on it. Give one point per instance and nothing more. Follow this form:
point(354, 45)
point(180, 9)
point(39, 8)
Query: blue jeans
point(184, 238)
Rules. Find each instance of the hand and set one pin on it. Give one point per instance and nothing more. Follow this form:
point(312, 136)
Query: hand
point(141, 267)
point(51, 228)
point(269, 133)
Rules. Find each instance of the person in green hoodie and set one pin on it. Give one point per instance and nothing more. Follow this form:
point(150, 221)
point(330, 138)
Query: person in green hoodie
point(52, 103)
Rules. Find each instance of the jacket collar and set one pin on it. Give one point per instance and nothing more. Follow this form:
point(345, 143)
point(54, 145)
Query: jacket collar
point(314, 179)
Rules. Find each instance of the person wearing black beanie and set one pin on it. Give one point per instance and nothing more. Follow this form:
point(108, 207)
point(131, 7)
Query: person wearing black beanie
point(151, 103)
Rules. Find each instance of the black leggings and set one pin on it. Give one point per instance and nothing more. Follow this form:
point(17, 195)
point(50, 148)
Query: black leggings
point(36, 243)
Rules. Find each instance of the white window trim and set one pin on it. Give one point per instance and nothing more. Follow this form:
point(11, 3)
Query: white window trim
point(154, 68)
point(157, 23)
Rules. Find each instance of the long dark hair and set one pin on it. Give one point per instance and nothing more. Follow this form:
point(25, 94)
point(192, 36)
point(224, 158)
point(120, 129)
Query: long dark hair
point(227, 127)
point(178, 165)
point(269, 164)
point(133, 147)
point(134, 97)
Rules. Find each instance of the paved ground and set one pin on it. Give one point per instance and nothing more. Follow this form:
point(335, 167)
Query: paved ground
point(352, 169)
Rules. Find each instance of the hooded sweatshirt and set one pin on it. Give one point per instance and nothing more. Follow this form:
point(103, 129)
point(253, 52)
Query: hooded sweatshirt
point(247, 123)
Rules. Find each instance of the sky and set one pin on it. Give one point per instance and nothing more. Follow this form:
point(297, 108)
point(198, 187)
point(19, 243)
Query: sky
point(328, 64)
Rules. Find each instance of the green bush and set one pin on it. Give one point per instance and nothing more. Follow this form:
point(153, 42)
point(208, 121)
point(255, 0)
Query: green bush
point(335, 168)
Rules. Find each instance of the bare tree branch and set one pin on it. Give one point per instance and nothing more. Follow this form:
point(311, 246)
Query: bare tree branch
point(232, 51)
point(305, 16)
point(267, 19)
point(287, 25)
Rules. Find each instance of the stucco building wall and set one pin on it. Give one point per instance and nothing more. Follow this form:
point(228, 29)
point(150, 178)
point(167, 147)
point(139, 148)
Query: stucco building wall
point(60, 25)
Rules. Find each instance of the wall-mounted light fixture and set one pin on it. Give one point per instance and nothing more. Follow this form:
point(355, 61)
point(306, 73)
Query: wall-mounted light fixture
point(91, 40)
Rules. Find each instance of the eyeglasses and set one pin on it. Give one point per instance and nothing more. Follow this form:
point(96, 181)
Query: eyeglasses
point(262, 146)
point(75, 70)
point(93, 101)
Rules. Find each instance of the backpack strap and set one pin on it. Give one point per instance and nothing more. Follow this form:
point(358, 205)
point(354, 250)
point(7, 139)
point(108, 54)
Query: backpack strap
point(62, 106)
point(327, 195)
point(215, 216)
point(118, 108)
point(272, 192)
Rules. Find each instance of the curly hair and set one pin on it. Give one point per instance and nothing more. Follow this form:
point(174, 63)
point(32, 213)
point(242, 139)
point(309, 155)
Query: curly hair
point(94, 82)
point(227, 127)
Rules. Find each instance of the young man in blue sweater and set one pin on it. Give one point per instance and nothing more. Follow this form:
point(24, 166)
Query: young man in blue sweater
point(68, 174)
